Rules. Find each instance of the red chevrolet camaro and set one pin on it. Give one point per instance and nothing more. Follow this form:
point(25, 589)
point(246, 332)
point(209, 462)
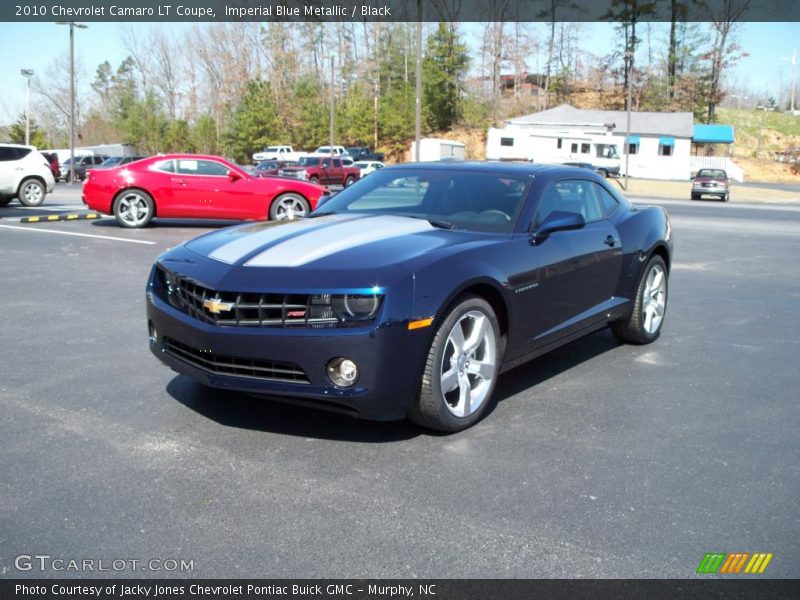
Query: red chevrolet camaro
point(192, 186)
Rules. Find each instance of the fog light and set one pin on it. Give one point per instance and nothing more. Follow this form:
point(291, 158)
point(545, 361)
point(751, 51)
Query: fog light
point(342, 372)
point(151, 329)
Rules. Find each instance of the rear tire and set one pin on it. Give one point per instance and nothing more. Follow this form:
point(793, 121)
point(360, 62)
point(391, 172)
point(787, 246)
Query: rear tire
point(314, 179)
point(349, 181)
point(133, 208)
point(31, 192)
point(643, 325)
point(726, 197)
point(5, 201)
point(461, 368)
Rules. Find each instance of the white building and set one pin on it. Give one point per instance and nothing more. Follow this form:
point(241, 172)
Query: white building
point(660, 142)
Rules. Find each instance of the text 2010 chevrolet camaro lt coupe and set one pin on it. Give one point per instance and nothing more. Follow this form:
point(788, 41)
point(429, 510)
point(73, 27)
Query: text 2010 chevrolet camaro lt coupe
point(193, 186)
point(408, 294)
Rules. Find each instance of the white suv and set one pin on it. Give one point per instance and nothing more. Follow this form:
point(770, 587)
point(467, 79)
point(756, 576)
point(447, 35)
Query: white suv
point(24, 173)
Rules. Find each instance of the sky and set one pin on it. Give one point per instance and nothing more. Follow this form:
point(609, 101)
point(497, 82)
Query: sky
point(36, 45)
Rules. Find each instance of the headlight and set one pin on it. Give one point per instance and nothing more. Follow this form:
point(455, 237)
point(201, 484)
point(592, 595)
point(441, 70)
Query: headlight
point(348, 308)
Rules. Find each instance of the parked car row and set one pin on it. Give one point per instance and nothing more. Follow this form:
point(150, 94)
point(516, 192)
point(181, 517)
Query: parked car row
point(288, 153)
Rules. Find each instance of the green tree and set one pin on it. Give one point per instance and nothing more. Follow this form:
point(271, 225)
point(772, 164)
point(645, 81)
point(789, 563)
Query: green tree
point(16, 133)
point(204, 136)
point(444, 68)
point(254, 124)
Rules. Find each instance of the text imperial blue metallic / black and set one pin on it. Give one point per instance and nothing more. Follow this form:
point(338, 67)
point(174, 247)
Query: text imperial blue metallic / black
point(407, 294)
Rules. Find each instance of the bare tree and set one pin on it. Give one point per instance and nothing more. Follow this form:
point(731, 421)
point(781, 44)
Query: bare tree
point(724, 49)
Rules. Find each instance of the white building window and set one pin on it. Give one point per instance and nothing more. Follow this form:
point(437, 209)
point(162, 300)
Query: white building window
point(666, 146)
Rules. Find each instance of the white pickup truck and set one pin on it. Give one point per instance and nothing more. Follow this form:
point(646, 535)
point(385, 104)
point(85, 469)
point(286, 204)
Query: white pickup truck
point(277, 153)
point(338, 151)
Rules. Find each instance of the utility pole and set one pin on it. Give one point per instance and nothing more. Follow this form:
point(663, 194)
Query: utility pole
point(333, 104)
point(418, 106)
point(72, 26)
point(628, 56)
point(28, 73)
point(794, 76)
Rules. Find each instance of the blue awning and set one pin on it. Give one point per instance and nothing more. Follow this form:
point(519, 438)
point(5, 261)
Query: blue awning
point(713, 134)
point(666, 141)
point(633, 139)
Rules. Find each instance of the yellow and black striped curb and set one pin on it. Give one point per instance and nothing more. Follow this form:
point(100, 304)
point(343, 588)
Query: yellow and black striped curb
point(69, 217)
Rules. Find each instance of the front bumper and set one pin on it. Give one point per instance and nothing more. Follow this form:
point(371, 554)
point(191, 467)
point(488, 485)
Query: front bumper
point(709, 191)
point(389, 357)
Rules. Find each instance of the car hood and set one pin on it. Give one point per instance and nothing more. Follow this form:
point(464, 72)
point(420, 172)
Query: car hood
point(334, 243)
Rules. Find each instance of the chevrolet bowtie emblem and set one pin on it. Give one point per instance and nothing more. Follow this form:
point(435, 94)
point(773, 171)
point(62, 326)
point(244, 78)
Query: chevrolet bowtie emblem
point(216, 306)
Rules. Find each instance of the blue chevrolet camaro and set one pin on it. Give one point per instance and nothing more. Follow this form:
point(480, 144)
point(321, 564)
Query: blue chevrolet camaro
point(409, 293)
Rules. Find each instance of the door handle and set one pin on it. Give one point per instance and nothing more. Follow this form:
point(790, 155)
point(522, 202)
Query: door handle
point(178, 181)
point(610, 241)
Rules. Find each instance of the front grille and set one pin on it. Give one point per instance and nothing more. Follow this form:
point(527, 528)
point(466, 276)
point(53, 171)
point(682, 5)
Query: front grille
point(291, 174)
point(266, 370)
point(244, 309)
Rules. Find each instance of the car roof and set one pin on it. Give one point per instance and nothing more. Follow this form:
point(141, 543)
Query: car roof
point(18, 146)
point(510, 168)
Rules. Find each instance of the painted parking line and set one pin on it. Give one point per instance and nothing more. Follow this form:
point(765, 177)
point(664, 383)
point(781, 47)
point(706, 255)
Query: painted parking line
point(87, 235)
point(67, 217)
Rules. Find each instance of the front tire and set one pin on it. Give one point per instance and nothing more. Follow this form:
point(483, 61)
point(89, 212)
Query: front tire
point(695, 196)
point(31, 192)
point(644, 323)
point(133, 208)
point(349, 181)
point(461, 368)
point(288, 207)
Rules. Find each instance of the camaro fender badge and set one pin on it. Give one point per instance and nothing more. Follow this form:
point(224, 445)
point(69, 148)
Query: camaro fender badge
point(525, 288)
point(216, 306)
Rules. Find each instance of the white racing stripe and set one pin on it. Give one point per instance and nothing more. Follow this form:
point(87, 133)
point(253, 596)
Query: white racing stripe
point(311, 246)
point(87, 235)
point(236, 250)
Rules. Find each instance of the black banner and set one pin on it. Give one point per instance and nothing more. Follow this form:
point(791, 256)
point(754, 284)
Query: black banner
point(388, 10)
point(394, 589)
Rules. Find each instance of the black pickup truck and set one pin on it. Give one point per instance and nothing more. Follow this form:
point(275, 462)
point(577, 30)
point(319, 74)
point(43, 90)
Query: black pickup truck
point(364, 153)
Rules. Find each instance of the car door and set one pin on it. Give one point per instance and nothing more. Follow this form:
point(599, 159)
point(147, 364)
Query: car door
point(200, 188)
point(578, 270)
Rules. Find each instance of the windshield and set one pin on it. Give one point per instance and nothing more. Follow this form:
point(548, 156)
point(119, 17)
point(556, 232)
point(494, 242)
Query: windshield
point(716, 173)
point(266, 165)
point(483, 201)
point(308, 161)
point(607, 151)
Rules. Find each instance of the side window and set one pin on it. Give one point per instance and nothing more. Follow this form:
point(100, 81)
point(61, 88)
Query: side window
point(168, 166)
point(326, 163)
point(7, 154)
point(608, 202)
point(574, 148)
point(337, 162)
point(585, 148)
point(571, 195)
point(202, 167)
point(506, 141)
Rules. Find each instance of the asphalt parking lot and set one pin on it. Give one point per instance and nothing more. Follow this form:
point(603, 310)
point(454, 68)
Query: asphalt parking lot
point(600, 460)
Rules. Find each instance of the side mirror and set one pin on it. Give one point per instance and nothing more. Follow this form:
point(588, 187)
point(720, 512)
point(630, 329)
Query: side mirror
point(557, 221)
point(234, 175)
